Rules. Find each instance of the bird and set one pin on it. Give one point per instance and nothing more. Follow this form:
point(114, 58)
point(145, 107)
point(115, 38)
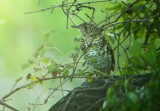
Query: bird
point(97, 51)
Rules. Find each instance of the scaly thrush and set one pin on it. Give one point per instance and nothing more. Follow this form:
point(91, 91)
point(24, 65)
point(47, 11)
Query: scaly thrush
point(97, 51)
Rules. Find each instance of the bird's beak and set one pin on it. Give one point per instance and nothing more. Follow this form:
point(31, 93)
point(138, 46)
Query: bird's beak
point(74, 26)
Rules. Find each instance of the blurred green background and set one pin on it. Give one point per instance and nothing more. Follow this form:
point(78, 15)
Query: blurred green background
point(22, 34)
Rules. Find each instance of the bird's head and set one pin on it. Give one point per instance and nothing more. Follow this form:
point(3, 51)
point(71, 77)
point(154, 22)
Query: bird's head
point(87, 29)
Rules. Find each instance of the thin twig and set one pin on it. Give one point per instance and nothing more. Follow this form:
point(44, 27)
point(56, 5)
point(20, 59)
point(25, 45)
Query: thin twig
point(64, 5)
point(28, 84)
point(46, 100)
point(67, 13)
point(8, 106)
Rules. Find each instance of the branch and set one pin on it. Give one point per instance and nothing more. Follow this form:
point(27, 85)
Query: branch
point(90, 96)
point(67, 4)
point(28, 84)
point(8, 106)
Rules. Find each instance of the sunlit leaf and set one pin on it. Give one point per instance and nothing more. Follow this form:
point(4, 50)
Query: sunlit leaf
point(45, 60)
point(89, 80)
point(105, 103)
point(36, 79)
point(111, 37)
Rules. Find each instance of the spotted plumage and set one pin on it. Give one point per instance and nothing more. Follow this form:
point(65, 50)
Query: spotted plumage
point(97, 51)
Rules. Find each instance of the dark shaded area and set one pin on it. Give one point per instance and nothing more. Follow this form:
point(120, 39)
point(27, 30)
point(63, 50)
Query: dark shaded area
point(90, 96)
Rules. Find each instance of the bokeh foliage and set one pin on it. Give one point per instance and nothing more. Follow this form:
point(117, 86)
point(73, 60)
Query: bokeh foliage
point(143, 57)
point(133, 25)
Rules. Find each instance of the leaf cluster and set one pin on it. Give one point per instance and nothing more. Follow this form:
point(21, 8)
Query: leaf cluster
point(139, 20)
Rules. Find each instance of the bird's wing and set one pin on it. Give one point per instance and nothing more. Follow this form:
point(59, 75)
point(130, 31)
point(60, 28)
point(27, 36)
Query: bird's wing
point(110, 51)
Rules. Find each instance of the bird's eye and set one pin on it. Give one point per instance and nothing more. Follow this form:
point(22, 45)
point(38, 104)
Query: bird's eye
point(85, 27)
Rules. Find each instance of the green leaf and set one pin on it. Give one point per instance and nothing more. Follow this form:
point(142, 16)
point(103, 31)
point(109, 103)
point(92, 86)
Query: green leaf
point(118, 26)
point(132, 101)
point(109, 92)
point(65, 72)
point(113, 6)
point(149, 57)
point(105, 104)
point(126, 84)
point(89, 74)
point(135, 48)
point(127, 67)
point(140, 33)
point(80, 72)
point(34, 78)
point(30, 86)
point(130, 1)
point(93, 60)
point(157, 64)
point(50, 68)
point(111, 37)
point(137, 63)
point(36, 69)
point(45, 60)
point(53, 67)
point(89, 80)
